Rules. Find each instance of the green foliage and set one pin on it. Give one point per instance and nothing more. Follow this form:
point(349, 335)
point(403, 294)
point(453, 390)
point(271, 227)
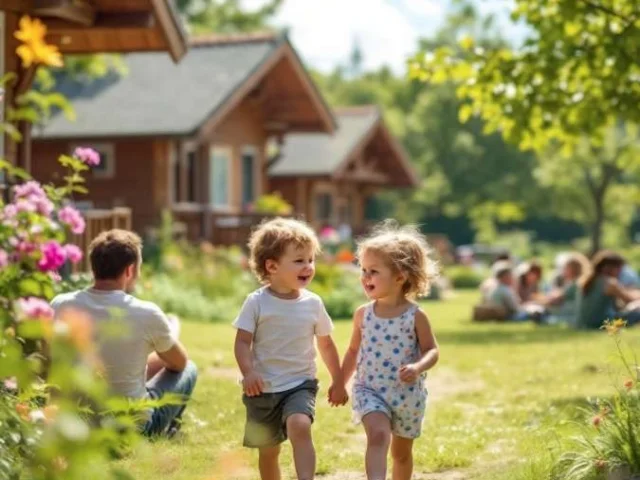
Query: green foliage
point(339, 287)
point(576, 72)
point(458, 166)
point(611, 443)
point(198, 282)
point(273, 204)
point(462, 276)
point(225, 16)
point(564, 94)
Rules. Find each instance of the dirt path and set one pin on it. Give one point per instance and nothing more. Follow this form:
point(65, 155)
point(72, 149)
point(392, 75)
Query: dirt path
point(443, 384)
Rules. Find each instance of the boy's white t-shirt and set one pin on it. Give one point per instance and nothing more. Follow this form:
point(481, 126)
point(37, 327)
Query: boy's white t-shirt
point(126, 331)
point(283, 331)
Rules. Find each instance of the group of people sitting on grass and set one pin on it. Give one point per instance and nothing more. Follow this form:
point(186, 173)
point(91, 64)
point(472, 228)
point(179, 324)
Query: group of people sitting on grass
point(583, 293)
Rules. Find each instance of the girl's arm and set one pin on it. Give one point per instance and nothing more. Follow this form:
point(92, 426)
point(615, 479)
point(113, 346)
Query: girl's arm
point(351, 355)
point(428, 348)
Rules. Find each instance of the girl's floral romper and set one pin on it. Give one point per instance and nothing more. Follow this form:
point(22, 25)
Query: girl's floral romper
point(386, 345)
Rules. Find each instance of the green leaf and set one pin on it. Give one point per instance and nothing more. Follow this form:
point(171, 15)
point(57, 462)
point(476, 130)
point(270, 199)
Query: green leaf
point(30, 288)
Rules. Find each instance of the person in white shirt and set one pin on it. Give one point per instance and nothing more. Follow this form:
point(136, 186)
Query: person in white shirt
point(137, 343)
point(275, 350)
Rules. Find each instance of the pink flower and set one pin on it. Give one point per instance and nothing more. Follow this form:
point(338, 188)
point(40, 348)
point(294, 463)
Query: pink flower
point(53, 256)
point(24, 205)
point(4, 259)
point(55, 276)
point(74, 254)
point(87, 155)
point(73, 218)
point(10, 211)
point(25, 247)
point(31, 189)
point(35, 308)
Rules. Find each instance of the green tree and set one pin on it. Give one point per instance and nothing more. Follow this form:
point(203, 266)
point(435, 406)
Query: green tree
point(597, 185)
point(577, 72)
point(225, 16)
point(562, 94)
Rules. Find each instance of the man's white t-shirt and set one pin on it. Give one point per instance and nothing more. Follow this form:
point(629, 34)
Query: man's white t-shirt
point(126, 331)
point(283, 336)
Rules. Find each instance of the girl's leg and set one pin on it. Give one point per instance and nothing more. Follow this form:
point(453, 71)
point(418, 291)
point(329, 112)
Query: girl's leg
point(402, 454)
point(268, 463)
point(378, 428)
point(304, 455)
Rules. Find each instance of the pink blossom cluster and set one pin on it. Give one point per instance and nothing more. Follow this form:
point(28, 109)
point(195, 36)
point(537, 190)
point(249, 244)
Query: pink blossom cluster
point(33, 308)
point(88, 156)
point(4, 259)
point(73, 218)
point(54, 255)
point(30, 197)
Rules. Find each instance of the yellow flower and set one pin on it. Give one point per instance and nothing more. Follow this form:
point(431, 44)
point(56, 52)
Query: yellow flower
point(613, 327)
point(31, 31)
point(34, 50)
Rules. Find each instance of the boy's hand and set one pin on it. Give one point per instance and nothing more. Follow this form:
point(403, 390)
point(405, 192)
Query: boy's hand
point(253, 385)
point(337, 395)
point(409, 373)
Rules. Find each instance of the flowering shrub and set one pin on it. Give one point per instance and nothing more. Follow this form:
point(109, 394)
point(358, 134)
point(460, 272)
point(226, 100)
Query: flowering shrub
point(50, 395)
point(610, 444)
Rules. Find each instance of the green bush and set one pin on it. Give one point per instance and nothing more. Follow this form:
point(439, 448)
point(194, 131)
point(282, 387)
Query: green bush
point(462, 276)
point(339, 287)
point(610, 442)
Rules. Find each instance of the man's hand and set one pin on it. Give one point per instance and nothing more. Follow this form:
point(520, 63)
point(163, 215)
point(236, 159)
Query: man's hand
point(409, 373)
point(337, 395)
point(252, 384)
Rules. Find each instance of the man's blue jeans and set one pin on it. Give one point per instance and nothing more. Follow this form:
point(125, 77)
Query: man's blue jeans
point(167, 382)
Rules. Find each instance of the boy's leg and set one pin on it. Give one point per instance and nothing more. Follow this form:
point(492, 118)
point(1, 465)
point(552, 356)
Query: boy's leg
point(298, 412)
point(304, 455)
point(168, 382)
point(268, 463)
point(402, 454)
point(378, 428)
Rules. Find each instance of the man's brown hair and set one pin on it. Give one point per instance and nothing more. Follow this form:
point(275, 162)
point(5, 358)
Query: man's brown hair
point(112, 252)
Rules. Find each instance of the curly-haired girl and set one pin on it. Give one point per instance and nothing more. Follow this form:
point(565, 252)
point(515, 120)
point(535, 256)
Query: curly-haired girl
point(392, 346)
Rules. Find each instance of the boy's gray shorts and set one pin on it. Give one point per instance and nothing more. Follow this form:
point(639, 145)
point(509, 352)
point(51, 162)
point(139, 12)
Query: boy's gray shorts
point(267, 414)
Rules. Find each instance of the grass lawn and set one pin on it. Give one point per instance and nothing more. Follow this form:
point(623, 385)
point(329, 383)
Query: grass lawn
point(501, 399)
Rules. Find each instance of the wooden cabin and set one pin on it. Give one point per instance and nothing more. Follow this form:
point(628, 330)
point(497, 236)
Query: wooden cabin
point(83, 27)
point(189, 138)
point(332, 180)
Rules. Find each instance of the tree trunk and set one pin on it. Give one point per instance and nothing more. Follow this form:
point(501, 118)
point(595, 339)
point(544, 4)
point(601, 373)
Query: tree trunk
point(598, 225)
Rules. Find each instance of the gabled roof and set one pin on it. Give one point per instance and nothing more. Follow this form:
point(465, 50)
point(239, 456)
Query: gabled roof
point(314, 154)
point(157, 97)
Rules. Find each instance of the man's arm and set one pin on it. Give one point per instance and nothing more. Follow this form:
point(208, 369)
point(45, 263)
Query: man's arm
point(174, 359)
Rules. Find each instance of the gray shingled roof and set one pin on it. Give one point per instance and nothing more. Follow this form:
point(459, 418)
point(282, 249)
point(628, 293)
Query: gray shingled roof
point(157, 97)
point(321, 154)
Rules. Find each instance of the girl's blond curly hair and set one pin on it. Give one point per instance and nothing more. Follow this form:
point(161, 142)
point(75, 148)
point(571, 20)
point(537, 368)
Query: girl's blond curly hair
point(270, 239)
point(405, 250)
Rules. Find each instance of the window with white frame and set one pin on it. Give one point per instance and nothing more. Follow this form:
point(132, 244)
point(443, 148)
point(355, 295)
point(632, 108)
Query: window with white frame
point(249, 158)
point(106, 169)
point(219, 176)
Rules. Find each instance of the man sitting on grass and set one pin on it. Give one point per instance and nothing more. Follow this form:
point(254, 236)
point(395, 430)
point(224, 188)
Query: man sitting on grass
point(505, 297)
point(137, 343)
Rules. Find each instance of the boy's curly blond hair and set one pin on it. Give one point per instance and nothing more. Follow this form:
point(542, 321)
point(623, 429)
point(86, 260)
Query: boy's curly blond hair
point(405, 250)
point(270, 240)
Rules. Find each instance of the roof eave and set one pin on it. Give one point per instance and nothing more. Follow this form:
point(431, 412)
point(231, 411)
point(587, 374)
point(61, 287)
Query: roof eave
point(172, 28)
